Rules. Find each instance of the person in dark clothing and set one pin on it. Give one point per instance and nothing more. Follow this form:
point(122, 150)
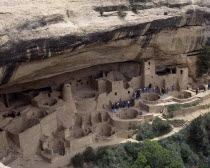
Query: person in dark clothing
point(163, 90)
point(132, 102)
point(204, 89)
point(209, 86)
point(124, 104)
point(113, 109)
point(121, 103)
point(117, 106)
point(173, 88)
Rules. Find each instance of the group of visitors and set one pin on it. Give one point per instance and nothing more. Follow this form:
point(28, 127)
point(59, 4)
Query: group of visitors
point(121, 104)
point(167, 90)
point(197, 89)
point(138, 92)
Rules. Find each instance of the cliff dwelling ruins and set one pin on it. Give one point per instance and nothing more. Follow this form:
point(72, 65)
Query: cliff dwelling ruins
point(82, 73)
point(89, 107)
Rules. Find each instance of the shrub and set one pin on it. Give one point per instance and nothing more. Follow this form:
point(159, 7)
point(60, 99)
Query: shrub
point(101, 11)
point(145, 131)
point(78, 160)
point(122, 13)
point(134, 8)
point(160, 126)
point(89, 155)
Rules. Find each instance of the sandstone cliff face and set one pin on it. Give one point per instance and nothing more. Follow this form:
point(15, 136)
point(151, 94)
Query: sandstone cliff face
point(44, 38)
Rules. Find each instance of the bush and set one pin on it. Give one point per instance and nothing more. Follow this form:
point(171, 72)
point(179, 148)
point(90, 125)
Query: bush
point(113, 158)
point(78, 160)
point(134, 8)
point(145, 131)
point(160, 127)
point(101, 11)
point(122, 13)
point(89, 155)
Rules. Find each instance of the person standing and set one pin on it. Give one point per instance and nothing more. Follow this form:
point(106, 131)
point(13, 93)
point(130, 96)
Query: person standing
point(163, 90)
point(209, 86)
point(173, 88)
point(128, 103)
point(154, 89)
point(196, 91)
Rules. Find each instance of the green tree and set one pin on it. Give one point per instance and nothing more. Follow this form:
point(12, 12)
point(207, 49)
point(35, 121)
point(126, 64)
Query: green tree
point(155, 156)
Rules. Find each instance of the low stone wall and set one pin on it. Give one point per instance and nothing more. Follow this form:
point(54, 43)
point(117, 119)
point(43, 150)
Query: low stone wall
point(183, 100)
point(156, 109)
point(190, 110)
point(125, 124)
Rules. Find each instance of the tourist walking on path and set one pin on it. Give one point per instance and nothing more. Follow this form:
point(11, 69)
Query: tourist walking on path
point(196, 91)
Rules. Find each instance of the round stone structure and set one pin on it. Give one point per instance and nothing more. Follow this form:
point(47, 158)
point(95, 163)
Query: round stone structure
point(126, 114)
point(182, 95)
point(150, 96)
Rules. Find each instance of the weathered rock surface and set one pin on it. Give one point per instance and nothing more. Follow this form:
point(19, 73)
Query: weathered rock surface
point(45, 38)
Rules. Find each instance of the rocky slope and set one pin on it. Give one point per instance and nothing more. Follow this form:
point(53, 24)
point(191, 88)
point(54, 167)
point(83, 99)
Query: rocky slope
point(44, 38)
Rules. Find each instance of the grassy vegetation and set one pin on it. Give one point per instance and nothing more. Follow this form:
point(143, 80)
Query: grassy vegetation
point(134, 8)
point(122, 13)
point(190, 148)
point(172, 108)
point(204, 62)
